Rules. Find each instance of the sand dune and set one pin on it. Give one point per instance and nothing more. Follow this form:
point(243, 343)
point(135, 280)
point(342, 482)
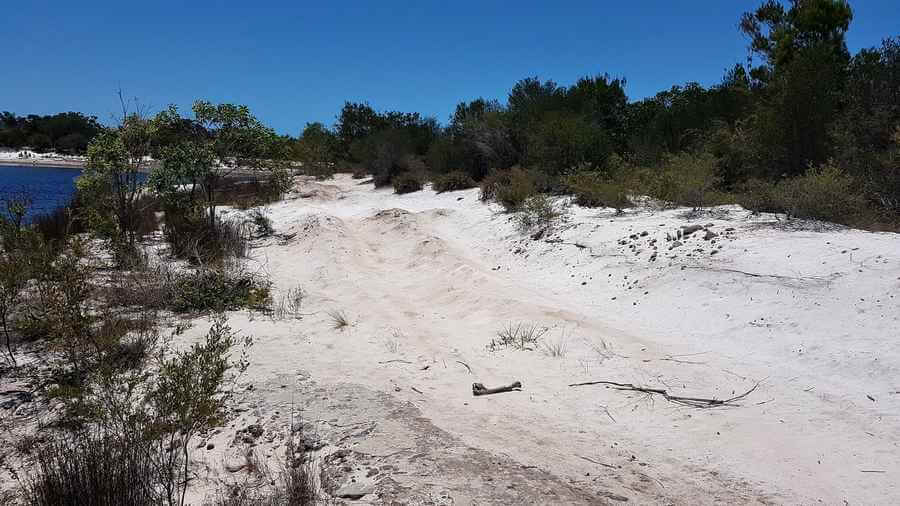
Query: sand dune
point(809, 312)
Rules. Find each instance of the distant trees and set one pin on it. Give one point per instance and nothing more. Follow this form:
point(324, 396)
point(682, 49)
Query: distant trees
point(67, 132)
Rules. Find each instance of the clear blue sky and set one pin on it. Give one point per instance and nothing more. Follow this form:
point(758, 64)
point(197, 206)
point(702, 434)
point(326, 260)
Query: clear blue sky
point(293, 62)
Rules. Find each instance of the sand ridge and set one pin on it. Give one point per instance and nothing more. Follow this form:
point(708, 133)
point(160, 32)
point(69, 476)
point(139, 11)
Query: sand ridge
point(808, 312)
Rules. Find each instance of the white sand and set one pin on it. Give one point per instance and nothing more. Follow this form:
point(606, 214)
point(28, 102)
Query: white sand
point(812, 311)
point(28, 155)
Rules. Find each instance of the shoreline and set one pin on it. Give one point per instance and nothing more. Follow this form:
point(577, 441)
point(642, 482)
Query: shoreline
point(45, 163)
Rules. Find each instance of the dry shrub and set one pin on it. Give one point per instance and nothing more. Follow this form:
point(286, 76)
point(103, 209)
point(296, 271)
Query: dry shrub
point(684, 179)
point(188, 233)
point(822, 193)
point(452, 181)
point(407, 182)
point(538, 212)
point(521, 336)
point(510, 188)
point(593, 190)
point(759, 196)
point(293, 484)
point(92, 469)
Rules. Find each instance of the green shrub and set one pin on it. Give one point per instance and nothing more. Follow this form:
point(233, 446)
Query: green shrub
point(823, 193)
point(407, 182)
point(685, 179)
point(537, 212)
point(452, 181)
point(509, 188)
point(759, 196)
point(219, 289)
point(593, 190)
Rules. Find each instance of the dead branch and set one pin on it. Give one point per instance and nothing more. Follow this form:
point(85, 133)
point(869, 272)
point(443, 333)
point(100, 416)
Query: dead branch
point(592, 461)
point(696, 402)
point(479, 389)
point(466, 366)
point(395, 360)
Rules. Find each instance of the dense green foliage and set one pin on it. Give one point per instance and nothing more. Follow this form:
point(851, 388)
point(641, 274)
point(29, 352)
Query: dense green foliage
point(67, 132)
point(801, 109)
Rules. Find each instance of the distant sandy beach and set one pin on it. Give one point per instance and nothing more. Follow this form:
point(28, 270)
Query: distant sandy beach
point(42, 162)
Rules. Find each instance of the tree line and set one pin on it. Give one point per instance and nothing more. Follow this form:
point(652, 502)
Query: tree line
point(67, 132)
point(802, 114)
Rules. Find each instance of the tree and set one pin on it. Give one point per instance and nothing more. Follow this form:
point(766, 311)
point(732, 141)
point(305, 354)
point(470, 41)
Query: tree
point(228, 138)
point(114, 176)
point(357, 121)
point(778, 35)
point(317, 147)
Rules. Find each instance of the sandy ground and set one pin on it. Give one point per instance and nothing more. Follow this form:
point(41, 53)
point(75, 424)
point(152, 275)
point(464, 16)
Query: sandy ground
point(25, 157)
point(809, 312)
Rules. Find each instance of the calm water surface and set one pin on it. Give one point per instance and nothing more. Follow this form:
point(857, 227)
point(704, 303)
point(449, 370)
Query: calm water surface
point(48, 188)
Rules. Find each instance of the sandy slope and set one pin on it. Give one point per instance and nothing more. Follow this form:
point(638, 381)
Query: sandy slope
point(812, 312)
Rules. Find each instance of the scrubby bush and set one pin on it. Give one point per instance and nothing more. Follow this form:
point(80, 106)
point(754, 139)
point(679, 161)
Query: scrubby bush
point(760, 196)
point(686, 179)
point(92, 468)
point(188, 233)
point(407, 182)
point(591, 189)
point(538, 212)
point(520, 336)
point(510, 188)
point(261, 222)
point(452, 181)
point(823, 193)
point(219, 289)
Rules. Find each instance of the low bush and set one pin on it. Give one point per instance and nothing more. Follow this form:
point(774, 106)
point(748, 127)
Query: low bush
point(510, 188)
point(245, 192)
point(759, 196)
point(822, 193)
point(593, 190)
point(407, 182)
point(685, 179)
point(219, 289)
point(92, 468)
point(188, 233)
point(261, 222)
point(538, 212)
point(519, 336)
point(452, 181)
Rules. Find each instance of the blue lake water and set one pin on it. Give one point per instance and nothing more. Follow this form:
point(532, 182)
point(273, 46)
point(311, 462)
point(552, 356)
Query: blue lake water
point(48, 188)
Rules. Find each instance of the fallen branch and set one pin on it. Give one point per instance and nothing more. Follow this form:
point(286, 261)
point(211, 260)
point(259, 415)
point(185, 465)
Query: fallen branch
point(592, 461)
point(466, 366)
point(696, 402)
point(395, 360)
point(479, 389)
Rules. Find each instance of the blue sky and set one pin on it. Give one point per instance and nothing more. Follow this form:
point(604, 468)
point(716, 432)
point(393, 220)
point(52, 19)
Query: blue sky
point(292, 62)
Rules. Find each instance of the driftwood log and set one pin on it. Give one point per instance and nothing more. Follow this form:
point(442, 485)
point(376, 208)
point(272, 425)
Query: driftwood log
point(479, 389)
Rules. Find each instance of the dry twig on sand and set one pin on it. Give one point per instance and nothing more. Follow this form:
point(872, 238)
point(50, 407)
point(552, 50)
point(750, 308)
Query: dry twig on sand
point(466, 366)
point(479, 389)
point(695, 402)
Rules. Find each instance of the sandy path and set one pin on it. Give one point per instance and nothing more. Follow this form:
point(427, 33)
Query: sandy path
point(429, 279)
